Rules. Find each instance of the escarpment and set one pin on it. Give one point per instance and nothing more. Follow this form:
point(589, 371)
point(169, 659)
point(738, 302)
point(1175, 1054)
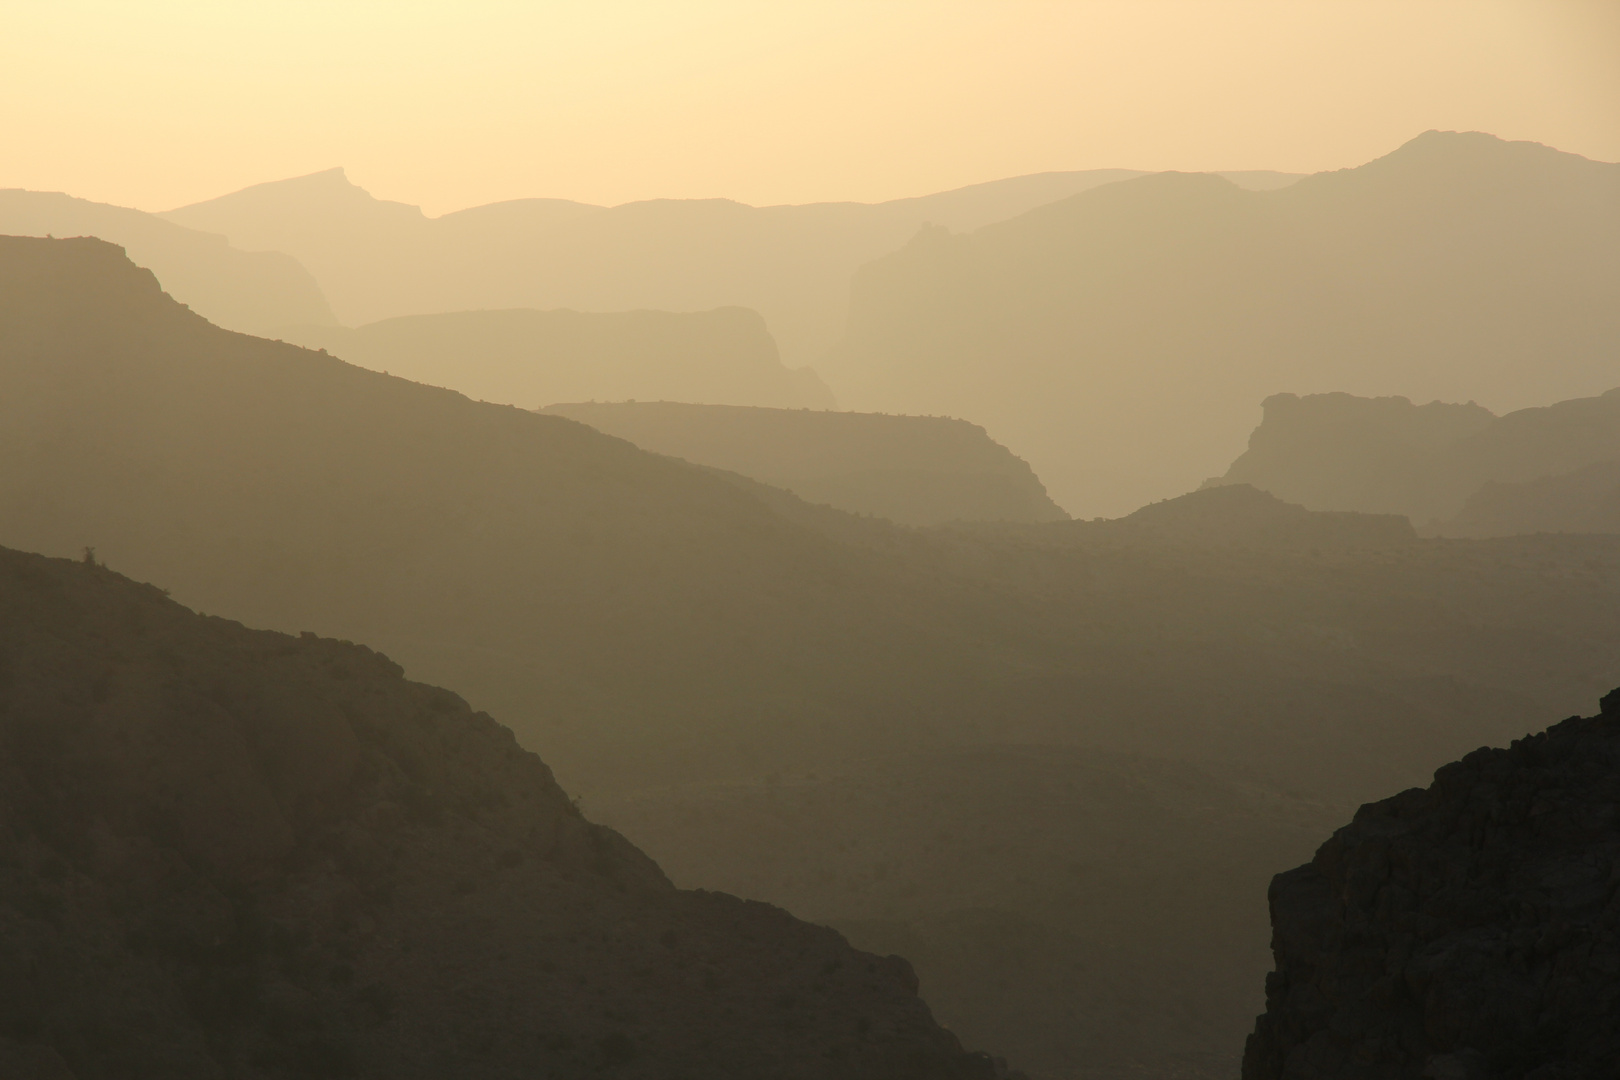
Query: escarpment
point(237, 853)
point(1467, 931)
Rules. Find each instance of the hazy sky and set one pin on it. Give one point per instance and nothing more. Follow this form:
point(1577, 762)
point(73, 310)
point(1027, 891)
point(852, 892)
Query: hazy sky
point(156, 103)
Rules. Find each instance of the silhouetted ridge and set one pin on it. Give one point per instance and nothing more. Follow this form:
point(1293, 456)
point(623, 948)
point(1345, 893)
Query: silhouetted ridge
point(536, 358)
point(1454, 469)
point(1117, 339)
point(792, 264)
point(1467, 931)
point(916, 470)
point(1241, 515)
point(227, 852)
point(251, 291)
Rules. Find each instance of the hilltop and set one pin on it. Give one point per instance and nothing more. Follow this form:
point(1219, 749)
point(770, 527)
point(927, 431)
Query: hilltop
point(915, 470)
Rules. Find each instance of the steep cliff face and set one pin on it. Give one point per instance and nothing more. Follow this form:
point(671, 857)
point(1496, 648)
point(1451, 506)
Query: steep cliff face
point(1467, 931)
point(235, 853)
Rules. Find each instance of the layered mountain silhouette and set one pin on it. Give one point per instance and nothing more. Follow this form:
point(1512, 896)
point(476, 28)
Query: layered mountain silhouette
point(1465, 930)
point(649, 625)
point(1117, 339)
point(227, 852)
point(1126, 919)
point(534, 358)
point(1454, 469)
point(792, 264)
point(252, 291)
point(916, 470)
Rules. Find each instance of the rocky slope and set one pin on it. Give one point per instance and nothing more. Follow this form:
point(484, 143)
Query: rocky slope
point(227, 852)
point(1467, 931)
point(915, 470)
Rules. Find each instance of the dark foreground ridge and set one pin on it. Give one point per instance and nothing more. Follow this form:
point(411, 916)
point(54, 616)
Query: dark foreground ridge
point(227, 852)
point(1467, 931)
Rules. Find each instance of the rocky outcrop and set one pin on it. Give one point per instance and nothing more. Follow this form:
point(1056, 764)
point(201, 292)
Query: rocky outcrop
point(235, 853)
point(1455, 470)
point(1467, 931)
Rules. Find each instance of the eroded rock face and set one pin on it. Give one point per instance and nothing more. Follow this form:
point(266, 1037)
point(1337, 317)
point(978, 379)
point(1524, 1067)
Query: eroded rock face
point(1467, 931)
point(233, 853)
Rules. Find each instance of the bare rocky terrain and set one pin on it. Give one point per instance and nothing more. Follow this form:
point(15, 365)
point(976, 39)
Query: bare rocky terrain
point(235, 853)
point(1465, 931)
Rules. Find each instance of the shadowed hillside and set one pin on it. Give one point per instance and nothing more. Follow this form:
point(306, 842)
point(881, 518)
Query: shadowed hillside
point(653, 627)
point(916, 470)
point(1117, 340)
point(1454, 469)
point(227, 852)
point(792, 264)
point(535, 358)
point(251, 291)
point(1468, 929)
point(1127, 918)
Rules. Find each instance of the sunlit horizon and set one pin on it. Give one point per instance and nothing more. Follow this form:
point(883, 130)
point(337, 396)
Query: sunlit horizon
point(176, 102)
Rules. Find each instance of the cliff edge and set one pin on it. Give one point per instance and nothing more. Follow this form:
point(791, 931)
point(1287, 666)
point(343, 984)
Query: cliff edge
point(1467, 931)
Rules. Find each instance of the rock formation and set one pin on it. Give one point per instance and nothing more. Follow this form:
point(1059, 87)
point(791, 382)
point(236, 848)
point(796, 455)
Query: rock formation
point(1467, 931)
point(236, 853)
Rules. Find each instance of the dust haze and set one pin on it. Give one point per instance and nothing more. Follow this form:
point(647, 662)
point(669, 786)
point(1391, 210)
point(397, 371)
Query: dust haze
point(673, 540)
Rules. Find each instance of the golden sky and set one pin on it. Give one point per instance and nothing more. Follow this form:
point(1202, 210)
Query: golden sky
point(157, 103)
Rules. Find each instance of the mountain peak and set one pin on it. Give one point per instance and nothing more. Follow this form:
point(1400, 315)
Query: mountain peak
point(308, 197)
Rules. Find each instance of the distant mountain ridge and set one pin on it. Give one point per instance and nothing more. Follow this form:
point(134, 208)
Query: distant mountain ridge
point(250, 291)
point(534, 358)
point(1118, 339)
point(792, 264)
point(1455, 470)
point(915, 470)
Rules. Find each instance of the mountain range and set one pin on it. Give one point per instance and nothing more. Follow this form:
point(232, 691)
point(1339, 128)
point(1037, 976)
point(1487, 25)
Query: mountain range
point(377, 259)
point(670, 637)
point(1117, 339)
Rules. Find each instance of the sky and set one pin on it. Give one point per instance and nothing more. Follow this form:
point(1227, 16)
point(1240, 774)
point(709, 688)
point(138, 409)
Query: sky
point(160, 103)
